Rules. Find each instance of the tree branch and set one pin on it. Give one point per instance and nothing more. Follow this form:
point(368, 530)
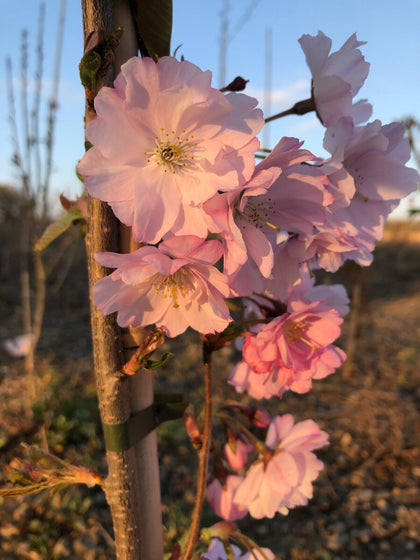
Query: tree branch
point(203, 458)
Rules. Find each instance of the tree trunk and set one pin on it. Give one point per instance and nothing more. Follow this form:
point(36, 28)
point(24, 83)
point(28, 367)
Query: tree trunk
point(132, 487)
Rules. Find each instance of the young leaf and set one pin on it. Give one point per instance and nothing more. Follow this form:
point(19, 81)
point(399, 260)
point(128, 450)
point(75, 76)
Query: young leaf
point(58, 228)
point(153, 364)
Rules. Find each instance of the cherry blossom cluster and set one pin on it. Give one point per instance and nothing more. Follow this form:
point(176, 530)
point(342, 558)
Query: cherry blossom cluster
point(175, 160)
point(278, 479)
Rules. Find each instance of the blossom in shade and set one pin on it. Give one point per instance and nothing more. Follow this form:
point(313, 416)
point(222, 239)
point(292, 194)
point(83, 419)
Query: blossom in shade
point(336, 77)
point(174, 286)
point(163, 140)
point(220, 496)
point(282, 478)
point(216, 551)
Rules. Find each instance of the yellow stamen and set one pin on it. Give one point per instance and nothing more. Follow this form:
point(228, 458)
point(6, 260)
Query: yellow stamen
point(175, 153)
point(168, 286)
point(258, 213)
point(295, 332)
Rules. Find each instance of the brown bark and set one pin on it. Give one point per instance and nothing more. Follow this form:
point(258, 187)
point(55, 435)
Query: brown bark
point(121, 485)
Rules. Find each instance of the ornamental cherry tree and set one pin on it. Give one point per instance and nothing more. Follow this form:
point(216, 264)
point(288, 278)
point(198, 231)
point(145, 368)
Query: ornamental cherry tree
point(186, 230)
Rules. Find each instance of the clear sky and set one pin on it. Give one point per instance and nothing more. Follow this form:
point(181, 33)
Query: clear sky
point(390, 27)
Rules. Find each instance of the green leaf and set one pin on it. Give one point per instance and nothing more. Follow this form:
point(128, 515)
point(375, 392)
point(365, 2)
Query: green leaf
point(154, 364)
point(58, 228)
point(154, 26)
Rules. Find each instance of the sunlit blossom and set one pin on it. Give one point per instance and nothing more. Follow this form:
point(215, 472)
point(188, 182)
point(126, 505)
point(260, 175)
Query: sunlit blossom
point(285, 196)
point(220, 495)
point(297, 346)
point(282, 479)
point(174, 286)
point(163, 140)
point(216, 551)
point(336, 77)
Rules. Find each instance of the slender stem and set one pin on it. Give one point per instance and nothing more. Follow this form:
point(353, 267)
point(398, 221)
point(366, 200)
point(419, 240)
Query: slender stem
point(299, 108)
point(52, 109)
point(203, 458)
point(280, 115)
point(17, 155)
point(40, 289)
point(37, 103)
point(25, 114)
point(259, 445)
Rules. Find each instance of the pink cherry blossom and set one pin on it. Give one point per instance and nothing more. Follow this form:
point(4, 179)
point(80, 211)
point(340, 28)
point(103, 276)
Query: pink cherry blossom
point(295, 340)
point(296, 347)
point(283, 195)
point(257, 385)
point(374, 157)
point(174, 286)
point(236, 453)
point(349, 233)
point(282, 479)
point(164, 139)
point(216, 551)
point(220, 495)
point(336, 77)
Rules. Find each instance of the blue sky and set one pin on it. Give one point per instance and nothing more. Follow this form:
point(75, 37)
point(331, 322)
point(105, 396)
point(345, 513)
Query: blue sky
point(390, 28)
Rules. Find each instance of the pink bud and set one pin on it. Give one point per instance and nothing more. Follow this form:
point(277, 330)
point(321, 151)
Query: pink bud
point(260, 418)
point(192, 429)
point(236, 453)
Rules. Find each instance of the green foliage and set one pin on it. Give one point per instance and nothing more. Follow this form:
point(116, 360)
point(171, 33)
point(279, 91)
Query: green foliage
point(154, 364)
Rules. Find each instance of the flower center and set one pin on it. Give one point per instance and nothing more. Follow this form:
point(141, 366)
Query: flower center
point(296, 331)
point(168, 286)
point(173, 153)
point(259, 213)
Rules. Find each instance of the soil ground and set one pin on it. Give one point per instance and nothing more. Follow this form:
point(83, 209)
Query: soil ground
point(366, 502)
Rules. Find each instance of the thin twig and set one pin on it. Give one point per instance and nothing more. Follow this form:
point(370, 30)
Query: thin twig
point(52, 109)
point(203, 459)
point(17, 156)
point(26, 165)
point(258, 444)
point(37, 103)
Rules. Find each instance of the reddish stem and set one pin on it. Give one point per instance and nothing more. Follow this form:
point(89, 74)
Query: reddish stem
point(203, 458)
